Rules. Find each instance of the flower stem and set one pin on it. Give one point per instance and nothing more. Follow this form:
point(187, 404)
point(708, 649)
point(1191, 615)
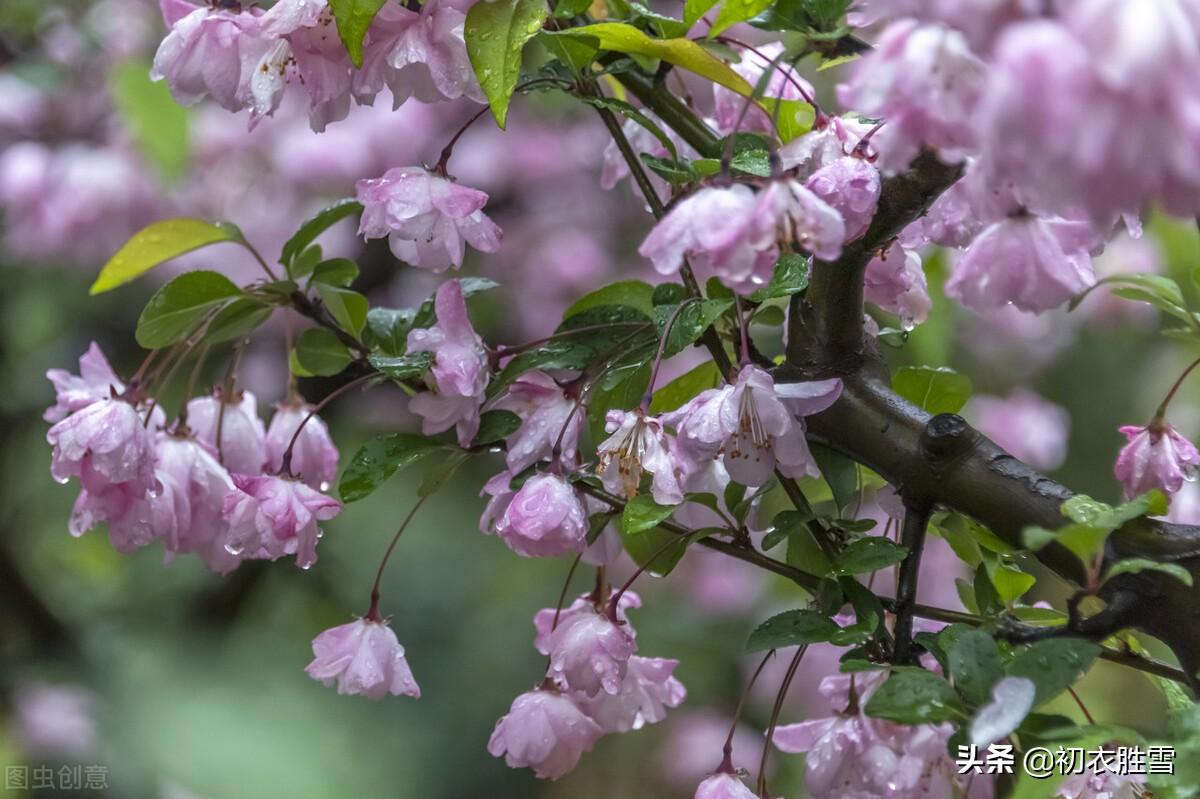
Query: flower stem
point(448, 150)
point(662, 348)
point(616, 597)
point(783, 689)
point(286, 466)
point(562, 595)
point(1161, 413)
point(373, 611)
point(726, 766)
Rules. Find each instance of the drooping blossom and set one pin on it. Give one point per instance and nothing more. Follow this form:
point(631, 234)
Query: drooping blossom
point(589, 653)
point(96, 381)
point(978, 20)
point(648, 690)
point(459, 373)
point(637, 445)
point(1030, 262)
point(545, 731)
point(314, 455)
point(243, 445)
point(754, 424)
point(850, 186)
point(1026, 425)
point(850, 754)
point(549, 416)
point(109, 439)
point(724, 785)
point(428, 219)
point(362, 657)
point(270, 517)
point(544, 518)
point(1155, 456)
point(831, 139)
point(304, 45)
point(423, 53)
point(895, 281)
point(547, 620)
point(791, 210)
point(925, 82)
point(784, 83)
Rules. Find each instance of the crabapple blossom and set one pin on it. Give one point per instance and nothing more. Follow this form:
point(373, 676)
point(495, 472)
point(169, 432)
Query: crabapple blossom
point(806, 221)
point(243, 445)
point(1036, 264)
point(547, 414)
point(831, 139)
point(546, 731)
point(427, 218)
point(425, 52)
point(649, 688)
point(269, 517)
point(544, 518)
point(724, 785)
point(314, 455)
point(212, 52)
point(362, 657)
point(784, 84)
point(459, 372)
point(109, 438)
point(925, 81)
point(96, 381)
point(850, 186)
point(590, 653)
point(1155, 456)
point(1026, 425)
point(544, 619)
point(637, 445)
point(895, 281)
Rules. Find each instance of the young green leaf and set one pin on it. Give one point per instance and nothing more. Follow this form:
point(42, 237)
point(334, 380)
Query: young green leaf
point(348, 308)
point(790, 277)
point(180, 306)
point(387, 329)
point(403, 367)
point(734, 11)
point(685, 387)
point(792, 628)
point(237, 319)
point(642, 513)
point(1053, 665)
point(915, 697)
point(635, 294)
point(936, 389)
point(975, 665)
point(378, 460)
point(353, 17)
point(496, 32)
point(318, 352)
point(868, 555)
point(315, 226)
point(1135, 565)
point(496, 426)
point(157, 243)
point(339, 272)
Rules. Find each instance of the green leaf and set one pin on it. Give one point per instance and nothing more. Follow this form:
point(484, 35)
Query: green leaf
point(437, 476)
point(734, 11)
point(689, 323)
point(623, 396)
point(237, 319)
point(1009, 581)
point(155, 244)
point(565, 9)
point(693, 10)
point(653, 547)
point(349, 308)
point(643, 513)
point(753, 162)
point(840, 472)
point(1085, 510)
point(1053, 665)
point(676, 172)
point(685, 387)
point(795, 117)
point(635, 294)
point(975, 665)
point(156, 122)
point(378, 460)
point(319, 353)
point(1136, 565)
point(792, 628)
point(936, 389)
point(387, 329)
point(496, 426)
point(315, 226)
point(353, 19)
point(335, 272)
point(178, 307)
point(914, 697)
point(681, 52)
point(868, 555)
point(403, 367)
point(790, 277)
point(769, 316)
point(496, 32)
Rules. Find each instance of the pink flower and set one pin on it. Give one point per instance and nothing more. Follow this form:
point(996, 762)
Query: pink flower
point(831, 138)
point(305, 43)
point(546, 414)
point(792, 210)
point(96, 381)
point(590, 653)
point(720, 226)
point(850, 186)
point(314, 457)
point(211, 53)
point(428, 219)
point(755, 424)
point(724, 786)
point(363, 657)
point(615, 168)
point(1035, 264)
point(109, 438)
point(428, 54)
point(1026, 425)
point(459, 373)
point(925, 81)
point(784, 83)
point(1103, 785)
point(643, 698)
point(545, 518)
point(850, 754)
point(544, 731)
point(1155, 457)
point(895, 281)
point(543, 620)
point(243, 447)
point(637, 445)
point(270, 517)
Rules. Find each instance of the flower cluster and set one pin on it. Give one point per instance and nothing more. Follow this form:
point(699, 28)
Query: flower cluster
point(218, 483)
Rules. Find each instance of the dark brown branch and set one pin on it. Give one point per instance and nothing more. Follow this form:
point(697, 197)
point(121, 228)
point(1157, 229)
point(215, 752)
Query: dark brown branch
point(912, 536)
